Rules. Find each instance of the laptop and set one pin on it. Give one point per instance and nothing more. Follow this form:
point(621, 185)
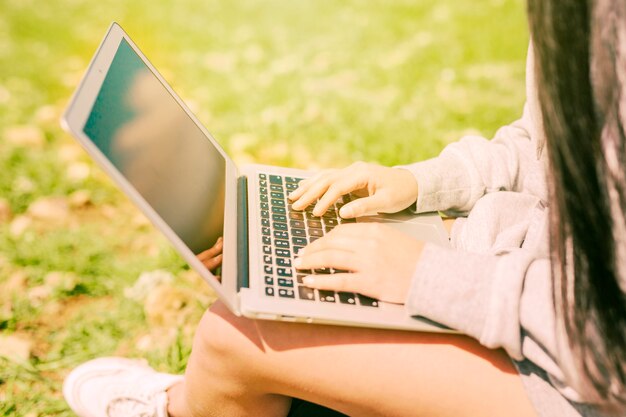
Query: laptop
point(233, 224)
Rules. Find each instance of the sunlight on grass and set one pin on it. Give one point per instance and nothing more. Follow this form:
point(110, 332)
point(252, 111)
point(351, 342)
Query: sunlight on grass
point(309, 84)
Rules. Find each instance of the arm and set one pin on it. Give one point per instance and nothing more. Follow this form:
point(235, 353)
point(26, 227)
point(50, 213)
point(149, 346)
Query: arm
point(504, 301)
point(468, 169)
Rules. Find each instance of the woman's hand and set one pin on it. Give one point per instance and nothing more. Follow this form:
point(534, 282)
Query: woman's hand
point(381, 261)
point(385, 190)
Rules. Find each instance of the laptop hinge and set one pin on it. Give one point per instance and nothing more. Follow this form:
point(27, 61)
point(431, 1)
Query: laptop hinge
point(242, 232)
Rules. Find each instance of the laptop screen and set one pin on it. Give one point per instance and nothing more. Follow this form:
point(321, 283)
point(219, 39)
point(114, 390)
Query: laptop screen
point(159, 149)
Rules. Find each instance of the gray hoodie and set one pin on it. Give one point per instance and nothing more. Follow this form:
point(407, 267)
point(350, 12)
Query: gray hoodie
point(495, 284)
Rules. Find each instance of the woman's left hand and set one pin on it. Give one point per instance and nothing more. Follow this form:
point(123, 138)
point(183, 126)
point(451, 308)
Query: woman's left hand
point(379, 261)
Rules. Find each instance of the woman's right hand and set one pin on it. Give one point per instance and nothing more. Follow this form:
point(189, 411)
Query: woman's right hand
point(383, 190)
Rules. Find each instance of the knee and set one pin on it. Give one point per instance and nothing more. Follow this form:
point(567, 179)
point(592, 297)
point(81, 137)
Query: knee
point(220, 333)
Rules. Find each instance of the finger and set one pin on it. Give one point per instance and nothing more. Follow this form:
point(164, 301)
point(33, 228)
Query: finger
point(213, 263)
point(366, 206)
point(336, 190)
point(334, 282)
point(331, 241)
point(314, 191)
point(305, 184)
point(212, 252)
point(330, 258)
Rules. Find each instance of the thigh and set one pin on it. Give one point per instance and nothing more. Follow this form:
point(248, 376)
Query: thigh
point(369, 372)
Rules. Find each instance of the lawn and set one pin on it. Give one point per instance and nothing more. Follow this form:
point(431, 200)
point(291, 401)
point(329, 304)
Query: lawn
point(309, 84)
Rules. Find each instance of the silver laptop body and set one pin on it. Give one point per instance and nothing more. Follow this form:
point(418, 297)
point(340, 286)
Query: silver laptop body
point(141, 133)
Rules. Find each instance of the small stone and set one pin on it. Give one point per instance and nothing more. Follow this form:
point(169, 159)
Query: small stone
point(63, 280)
point(79, 199)
point(70, 152)
point(168, 306)
point(5, 211)
point(19, 225)
point(29, 136)
point(140, 221)
point(47, 115)
point(16, 283)
point(15, 348)
point(23, 185)
point(78, 171)
point(37, 295)
point(49, 208)
point(146, 283)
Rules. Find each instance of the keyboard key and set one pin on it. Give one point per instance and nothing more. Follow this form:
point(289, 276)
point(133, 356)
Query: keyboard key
point(331, 221)
point(280, 226)
point(267, 259)
point(265, 206)
point(327, 296)
point(316, 232)
point(262, 176)
point(283, 253)
point(282, 243)
point(285, 282)
point(322, 271)
point(347, 297)
point(267, 240)
point(297, 224)
point(367, 301)
point(269, 291)
point(315, 224)
point(277, 195)
point(265, 231)
point(268, 269)
point(300, 278)
point(281, 234)
point(267, 249)
point(269, 280)
point(279, 218)
point(293, 180)
point(286, 262)
point(306, 293)
point(279, 210)
point(263, 183)
point(328, 228)
point(265, 222)
point(276, 179)
point(264, 198)
point(283, 292)
point(310, 216)
point(265, 214)
point(313, 239)
point(296, 215)
point(277, 202)
point(298, 232)
point(297, 249)
point(263, 190)
point(291, 187)
point(284, 272)
point(299, 241)
point(276, 187)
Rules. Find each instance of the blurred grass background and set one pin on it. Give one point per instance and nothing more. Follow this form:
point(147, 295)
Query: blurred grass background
point(299, 83)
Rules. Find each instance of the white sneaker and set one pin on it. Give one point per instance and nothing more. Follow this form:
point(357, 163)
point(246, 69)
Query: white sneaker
point(118, 387)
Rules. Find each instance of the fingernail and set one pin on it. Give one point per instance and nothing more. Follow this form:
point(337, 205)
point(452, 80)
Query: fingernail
point(308, 280)
point(346, 212)
point(297, 262)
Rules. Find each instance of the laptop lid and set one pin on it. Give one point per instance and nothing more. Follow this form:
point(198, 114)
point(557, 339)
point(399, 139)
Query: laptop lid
point(141, 133)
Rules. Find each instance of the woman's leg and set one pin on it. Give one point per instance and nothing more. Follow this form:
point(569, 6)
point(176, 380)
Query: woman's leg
point(243, 367)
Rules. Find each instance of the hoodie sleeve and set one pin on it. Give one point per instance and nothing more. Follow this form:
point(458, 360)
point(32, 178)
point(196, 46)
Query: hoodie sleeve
point(468, 169)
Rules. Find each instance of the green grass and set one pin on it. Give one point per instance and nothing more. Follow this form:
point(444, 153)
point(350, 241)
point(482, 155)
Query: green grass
point(309, 84)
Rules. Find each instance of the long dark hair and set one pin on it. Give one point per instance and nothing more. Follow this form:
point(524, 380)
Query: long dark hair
point(581, 79)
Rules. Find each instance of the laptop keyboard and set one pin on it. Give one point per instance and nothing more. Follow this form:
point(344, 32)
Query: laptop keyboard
point(284, 232)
